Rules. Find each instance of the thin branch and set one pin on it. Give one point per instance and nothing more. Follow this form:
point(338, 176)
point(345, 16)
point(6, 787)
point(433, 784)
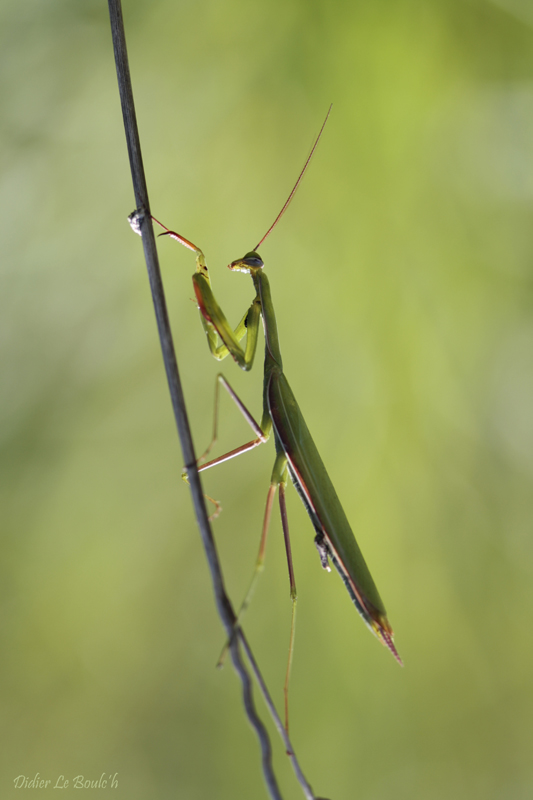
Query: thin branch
point(307, 790)
point(143, 225)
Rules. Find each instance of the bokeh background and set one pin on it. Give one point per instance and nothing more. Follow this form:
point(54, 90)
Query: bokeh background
point(402, 279)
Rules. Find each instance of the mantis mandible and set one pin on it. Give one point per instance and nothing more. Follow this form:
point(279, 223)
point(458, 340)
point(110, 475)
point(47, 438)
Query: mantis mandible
point(296, 452)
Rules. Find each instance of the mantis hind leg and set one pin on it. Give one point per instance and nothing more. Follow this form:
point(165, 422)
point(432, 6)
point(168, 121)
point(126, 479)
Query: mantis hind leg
point(280, 468)
point(294, 596)
point(278, 479)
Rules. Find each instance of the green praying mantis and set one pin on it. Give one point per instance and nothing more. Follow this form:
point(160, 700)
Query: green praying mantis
point(296, 452)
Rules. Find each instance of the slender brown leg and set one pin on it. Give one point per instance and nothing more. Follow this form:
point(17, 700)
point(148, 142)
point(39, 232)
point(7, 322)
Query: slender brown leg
point(279, 467)
point(261, 436)
point(285, 524)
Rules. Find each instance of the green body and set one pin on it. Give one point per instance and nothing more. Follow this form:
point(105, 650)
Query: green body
point(308, 472)
point(295, 447)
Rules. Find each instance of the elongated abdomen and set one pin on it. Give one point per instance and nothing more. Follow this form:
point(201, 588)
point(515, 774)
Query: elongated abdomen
point(323, 505)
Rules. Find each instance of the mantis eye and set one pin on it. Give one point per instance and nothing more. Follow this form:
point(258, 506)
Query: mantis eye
point(252, 259)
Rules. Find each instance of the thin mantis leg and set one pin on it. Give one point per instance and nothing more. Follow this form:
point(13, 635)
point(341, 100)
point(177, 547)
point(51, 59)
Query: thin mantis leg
point(280, 469)
point(260, 562)
point(294, 597)
point(261, 437)
point(279, 478)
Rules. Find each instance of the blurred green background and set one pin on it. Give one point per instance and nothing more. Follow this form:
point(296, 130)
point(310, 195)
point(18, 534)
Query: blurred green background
point(402, 282)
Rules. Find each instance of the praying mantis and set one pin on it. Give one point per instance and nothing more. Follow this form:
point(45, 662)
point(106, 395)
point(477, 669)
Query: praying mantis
point(296, 452)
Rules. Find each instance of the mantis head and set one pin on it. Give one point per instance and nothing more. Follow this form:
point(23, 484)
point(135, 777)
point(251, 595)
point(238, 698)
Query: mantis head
point(251, 262)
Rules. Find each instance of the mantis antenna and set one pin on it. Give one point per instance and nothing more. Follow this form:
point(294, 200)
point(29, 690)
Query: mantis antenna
point(302, 173)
